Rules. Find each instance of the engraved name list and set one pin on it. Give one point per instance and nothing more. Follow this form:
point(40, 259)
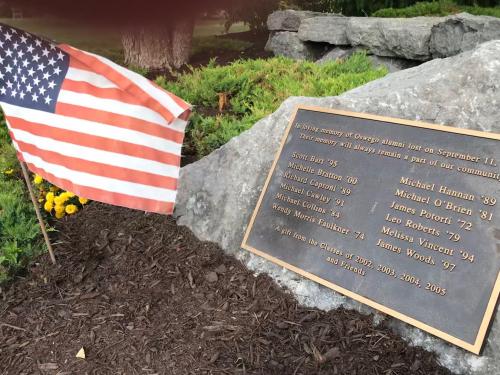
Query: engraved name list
point(399, 215)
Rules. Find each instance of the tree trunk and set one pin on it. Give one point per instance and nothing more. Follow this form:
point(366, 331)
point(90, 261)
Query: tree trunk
point(160, 46)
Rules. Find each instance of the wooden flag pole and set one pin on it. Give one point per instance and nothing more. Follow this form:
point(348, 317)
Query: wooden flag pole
point(38, 214)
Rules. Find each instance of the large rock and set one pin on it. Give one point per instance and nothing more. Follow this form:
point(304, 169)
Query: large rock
point(288, 44)
point(406, 38)
point(326, 29)
point(217, 194)
point(288, 20)
point(462, 32)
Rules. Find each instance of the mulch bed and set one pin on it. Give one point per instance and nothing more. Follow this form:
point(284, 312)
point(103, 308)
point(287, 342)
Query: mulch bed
point(142, 295)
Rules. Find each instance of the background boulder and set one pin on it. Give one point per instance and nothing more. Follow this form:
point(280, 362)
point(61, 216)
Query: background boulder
point(393, 37)
point(462, 32)
point(288, 44)
point(288, 20)
point(414, 39)
point(325, 29)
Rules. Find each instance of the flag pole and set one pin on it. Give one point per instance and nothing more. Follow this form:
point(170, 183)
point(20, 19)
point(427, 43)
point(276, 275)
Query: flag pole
point(37, 210)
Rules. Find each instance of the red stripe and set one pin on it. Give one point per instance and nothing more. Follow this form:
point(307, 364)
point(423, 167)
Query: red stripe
point(99, 169)
point(105, 196)
point(77, 64)
point(93, 141)
point(104, 93)
point(121, 121)
point(118, 79)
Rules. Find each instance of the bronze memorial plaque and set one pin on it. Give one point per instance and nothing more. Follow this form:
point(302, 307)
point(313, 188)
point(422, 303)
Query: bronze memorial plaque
point(400, 215)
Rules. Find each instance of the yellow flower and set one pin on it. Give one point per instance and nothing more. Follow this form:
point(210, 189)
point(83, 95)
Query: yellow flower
point(40, 200)
point(69, 194)
point(8, 171)
point(59, 215)
point(59, 208)
point(83, 200)
point(50, 196)
point(71, 209)
point(61, 199)
point(38, 179)
point(48, 206)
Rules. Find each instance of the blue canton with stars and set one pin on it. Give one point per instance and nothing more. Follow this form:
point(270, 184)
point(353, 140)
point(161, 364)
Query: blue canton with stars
point(31, 70)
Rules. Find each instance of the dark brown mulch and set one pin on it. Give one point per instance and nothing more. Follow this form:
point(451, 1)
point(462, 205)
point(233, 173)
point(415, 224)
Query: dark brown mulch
point(144, 296)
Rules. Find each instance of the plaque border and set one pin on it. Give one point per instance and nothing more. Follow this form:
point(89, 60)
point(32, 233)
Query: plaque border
point(490, 309)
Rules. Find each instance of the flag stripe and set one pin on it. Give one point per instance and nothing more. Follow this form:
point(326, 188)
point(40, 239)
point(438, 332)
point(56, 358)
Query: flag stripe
point(103, 117)
point(110, 105)
point(82, 87)
point(93, 142)
point(97, 194)
point(97, 65)
point(95, 129)
point(102, 183)
point(87, 76)
point(111, 158)
point(148, 87)
point(99, 169)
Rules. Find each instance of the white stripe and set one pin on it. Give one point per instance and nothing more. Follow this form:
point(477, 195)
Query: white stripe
point(94, 79)
point(98, 156)
point(158, 94)
point(178, 125)
point(102, 183)
point(93, 128)
point(110, 105)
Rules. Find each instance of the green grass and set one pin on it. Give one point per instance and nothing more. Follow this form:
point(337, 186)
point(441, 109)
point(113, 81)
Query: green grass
point(20, 237)
point(107, 41)
point(435, 8)
point(256, 88)
point(102, 41)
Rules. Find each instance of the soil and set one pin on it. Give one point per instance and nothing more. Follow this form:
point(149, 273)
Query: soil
point(222, 56)
point(225, 57)
point(142, 295)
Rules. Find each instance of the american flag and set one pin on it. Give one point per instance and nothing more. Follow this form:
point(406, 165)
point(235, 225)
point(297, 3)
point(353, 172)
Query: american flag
point(89, 125)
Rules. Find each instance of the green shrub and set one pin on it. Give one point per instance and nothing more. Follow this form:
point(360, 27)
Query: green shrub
point(20, 237)
point(435, 8)
point(256, 88)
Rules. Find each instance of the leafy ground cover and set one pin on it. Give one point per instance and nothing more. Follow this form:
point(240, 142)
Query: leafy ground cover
point(20, 237)
point(230, 99)
point(436, 8)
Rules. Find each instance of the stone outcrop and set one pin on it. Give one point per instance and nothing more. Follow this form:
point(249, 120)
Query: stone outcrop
point(461, 33)
point(217, 194)
point(288, 20)
point(393, 37)
point(415, 39)
point(325, 29)
point(288, 44)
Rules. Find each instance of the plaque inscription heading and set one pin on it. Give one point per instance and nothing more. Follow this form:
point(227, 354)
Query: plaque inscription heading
point(400, 215)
